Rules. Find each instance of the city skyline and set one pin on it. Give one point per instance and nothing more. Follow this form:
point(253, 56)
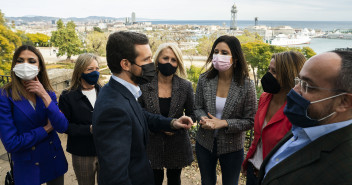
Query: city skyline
point(299, 10)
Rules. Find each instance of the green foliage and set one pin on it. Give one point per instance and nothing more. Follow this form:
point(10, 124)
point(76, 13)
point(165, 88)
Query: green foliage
point(308, 52)
point(2, 18)
point(9, 41)
point(38, 39)
point(205, 44)
point(156, 38)
point(97, 29)
point(258, 55)
point(66, 39)
point(249, 37)
point(193, 74)
point(96, 43)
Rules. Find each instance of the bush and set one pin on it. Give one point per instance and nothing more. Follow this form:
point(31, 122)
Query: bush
point(193, 74)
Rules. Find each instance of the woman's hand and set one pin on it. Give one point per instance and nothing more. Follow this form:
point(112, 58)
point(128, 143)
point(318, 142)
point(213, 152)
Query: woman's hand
point(212, 122)
point(48, 127)
point(169, 133)
point(34, 86)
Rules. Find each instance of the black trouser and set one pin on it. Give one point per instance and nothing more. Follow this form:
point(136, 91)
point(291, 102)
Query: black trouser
point(173, 176)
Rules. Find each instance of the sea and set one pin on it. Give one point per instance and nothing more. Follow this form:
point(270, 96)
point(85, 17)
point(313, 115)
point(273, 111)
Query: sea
point(319, 45)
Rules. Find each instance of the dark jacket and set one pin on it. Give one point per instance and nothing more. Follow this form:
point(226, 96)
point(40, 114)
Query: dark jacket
point(173, 151)
point(78, 111)
point(327, 160)
point(120, 130)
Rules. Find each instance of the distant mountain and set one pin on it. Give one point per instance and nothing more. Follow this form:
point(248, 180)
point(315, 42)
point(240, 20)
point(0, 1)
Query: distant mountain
point(33, 18)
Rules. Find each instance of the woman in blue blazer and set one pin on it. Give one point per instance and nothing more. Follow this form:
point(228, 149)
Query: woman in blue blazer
point(29, 120)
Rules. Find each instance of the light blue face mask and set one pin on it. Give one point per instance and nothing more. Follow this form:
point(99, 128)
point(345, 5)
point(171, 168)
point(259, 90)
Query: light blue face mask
point(296, 110)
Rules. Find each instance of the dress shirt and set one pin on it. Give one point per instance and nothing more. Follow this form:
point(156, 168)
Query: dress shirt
point(301, 138)
point(135, 90)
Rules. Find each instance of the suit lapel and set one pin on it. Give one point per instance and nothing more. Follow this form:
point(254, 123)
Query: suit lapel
point(306, 155)
point(153, 95)
point(211, 87)
point(278, 116)
point(231, 100)
point(175, 97)
point(26, 108)
point(133, 102)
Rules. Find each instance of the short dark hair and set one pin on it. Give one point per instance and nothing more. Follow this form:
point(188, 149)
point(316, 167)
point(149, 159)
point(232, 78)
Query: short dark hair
point(240, 67)
point(121, 45)
point(344, 79)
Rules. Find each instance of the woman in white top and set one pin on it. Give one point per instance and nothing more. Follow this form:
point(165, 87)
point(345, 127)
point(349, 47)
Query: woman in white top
point(77, 103)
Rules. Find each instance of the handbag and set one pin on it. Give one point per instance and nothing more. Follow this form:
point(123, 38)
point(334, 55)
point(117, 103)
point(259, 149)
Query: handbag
point(9, 175)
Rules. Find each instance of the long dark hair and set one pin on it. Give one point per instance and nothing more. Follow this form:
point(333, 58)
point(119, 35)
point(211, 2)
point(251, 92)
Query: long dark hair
point(15, 87)
point(240, 68)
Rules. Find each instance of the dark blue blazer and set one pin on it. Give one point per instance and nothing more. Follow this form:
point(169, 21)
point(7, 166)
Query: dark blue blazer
point(120, 131)
point(38, 157)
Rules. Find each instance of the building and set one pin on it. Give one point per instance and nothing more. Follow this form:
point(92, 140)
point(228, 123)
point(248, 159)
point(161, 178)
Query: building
point(133, 17)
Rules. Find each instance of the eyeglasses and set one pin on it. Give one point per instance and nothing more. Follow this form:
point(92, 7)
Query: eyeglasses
point(304, 86)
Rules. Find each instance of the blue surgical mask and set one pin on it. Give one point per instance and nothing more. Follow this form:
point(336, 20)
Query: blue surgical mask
point(296, 110)
point(91, 78)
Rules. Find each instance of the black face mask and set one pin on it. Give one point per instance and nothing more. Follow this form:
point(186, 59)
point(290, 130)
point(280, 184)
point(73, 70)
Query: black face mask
point(166, 69)
point(148, 72)
point(270, 84)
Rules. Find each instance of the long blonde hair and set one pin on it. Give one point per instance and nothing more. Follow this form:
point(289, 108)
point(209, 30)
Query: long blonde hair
point(181, 71)
point(15, 87)
point(82, 62)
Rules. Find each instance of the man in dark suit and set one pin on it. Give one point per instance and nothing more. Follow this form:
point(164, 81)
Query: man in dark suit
point(319, 148)
point(120, 125)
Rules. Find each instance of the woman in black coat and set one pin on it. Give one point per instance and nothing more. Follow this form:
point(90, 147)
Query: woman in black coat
point(171, 96)
point(77, 103)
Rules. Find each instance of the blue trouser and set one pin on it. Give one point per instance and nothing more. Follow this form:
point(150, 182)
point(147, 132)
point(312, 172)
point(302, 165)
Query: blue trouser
point(230, 164)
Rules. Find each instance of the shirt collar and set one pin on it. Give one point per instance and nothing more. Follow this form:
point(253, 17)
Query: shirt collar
point(134, 89)
point(315, 132)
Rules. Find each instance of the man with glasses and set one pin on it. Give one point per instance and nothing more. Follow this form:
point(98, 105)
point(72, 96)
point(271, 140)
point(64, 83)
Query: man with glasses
point(318, 150)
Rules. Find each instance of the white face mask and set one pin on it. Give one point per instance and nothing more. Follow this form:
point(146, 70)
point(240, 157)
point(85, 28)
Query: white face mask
point(26, 71)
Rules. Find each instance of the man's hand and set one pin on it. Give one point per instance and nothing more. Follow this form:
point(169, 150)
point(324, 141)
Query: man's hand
point(182, 122)
point(212, 122)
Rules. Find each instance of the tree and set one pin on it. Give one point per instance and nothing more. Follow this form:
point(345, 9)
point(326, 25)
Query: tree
point(66, 39)
point(38, 39)
point(205, 44)
point(96, 43)
point(9, 41)
point(2, 18)
point(249, 37)
point(97, 29)
point(258, 55)
point(308, 52)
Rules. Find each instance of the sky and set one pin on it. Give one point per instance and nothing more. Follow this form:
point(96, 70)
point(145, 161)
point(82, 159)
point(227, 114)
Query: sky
point(291, 10)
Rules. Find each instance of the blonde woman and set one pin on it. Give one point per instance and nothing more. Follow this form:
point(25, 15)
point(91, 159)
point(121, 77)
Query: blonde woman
point(170, 95)
point(77, 103)
point(29, 120)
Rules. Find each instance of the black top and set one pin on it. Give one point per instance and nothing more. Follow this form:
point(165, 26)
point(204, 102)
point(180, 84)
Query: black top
point(78, 111)
point(164, 104)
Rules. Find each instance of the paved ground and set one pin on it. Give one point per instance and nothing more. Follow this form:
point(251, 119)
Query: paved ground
point(190, 175)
